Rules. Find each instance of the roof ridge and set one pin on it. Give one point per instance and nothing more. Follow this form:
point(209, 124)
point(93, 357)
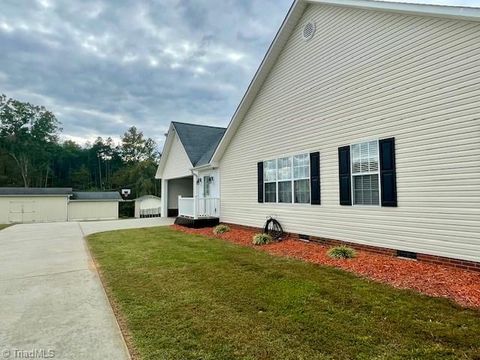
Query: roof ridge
point(192, 124)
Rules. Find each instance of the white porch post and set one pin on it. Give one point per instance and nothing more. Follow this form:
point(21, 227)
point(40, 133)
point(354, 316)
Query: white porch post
point(195, 196)
point(164, 210)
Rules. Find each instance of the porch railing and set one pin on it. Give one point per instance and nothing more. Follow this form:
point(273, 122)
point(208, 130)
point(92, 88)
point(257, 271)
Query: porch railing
point(186, 207)
point(198, 207)
point(152, 212)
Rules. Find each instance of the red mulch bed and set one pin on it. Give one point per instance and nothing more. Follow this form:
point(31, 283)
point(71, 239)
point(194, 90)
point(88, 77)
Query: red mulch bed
point(462, 286)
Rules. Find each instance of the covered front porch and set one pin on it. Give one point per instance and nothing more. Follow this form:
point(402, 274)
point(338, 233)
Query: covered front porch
point(191, 200)
point(198, 212)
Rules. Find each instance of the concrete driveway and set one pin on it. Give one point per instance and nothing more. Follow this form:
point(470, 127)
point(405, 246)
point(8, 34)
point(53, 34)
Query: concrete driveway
point(52, 303)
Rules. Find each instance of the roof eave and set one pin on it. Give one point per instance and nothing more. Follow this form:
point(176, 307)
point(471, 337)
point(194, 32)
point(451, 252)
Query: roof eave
point(445, 11)
point(281, 37)
point(166, 149)
point(210, 165)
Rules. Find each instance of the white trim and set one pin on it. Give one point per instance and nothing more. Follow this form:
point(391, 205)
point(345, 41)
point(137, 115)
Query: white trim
point(366, 173)
point(294, 15)
point(411, 8)
point(172, 132)
point(292, 180)
point(205, 167)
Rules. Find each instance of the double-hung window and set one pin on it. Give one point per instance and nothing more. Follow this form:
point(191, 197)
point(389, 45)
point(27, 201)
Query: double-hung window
point(270, 176)
point(284, 180)
point(365, 173)
point(287, 180)
point(301, 178)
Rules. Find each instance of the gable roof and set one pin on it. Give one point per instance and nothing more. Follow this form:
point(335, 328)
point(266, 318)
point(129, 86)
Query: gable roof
point(288, 26)
point(16, 191)
point(199, 141)
point(97, 195)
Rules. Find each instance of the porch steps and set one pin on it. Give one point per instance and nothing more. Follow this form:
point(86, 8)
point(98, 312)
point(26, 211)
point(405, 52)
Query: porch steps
point(197, 223)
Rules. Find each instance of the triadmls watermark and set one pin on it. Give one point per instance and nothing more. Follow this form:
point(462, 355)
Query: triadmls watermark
point(27, 354)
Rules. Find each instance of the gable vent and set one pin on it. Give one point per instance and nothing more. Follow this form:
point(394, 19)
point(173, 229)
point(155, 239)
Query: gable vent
point(309, 30)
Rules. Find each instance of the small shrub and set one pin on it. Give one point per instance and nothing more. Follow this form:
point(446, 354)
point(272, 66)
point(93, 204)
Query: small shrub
point(262, 239)
point(342, 252)
point(221, 229)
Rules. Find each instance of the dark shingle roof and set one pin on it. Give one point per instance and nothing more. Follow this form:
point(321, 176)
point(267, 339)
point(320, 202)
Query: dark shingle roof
point(200, 141)
point(96, 195)
point(5, 191)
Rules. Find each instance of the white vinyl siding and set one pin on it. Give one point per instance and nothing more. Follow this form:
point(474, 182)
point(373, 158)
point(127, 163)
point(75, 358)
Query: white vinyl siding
point(178, 164)
point(371, 75)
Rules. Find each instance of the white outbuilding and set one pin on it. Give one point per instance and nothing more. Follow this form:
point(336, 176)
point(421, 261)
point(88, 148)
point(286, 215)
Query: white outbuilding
point(36, 205)
point(94, 206)
point(28, 205)
point(148, 206)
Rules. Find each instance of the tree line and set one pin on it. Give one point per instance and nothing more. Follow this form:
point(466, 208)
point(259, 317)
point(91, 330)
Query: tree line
point(32, 155)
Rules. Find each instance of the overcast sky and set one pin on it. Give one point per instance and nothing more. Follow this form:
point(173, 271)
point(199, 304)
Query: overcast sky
point(104, 65)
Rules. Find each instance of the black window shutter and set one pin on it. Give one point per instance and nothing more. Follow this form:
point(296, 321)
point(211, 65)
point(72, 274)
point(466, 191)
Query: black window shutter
point(388, 176)
point(344, 175)
point(260, 181)
point(315, 178)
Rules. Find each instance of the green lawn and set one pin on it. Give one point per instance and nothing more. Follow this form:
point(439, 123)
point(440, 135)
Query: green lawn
point(4, 226)
point(191, 297)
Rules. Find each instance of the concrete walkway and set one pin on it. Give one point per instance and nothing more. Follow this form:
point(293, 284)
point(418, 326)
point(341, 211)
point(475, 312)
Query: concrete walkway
point(51, 299)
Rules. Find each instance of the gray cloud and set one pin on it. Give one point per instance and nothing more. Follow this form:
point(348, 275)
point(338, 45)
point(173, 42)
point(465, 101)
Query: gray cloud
point(104, 65)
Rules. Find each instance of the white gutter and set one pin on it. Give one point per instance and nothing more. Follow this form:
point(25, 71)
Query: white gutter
point(411, 8)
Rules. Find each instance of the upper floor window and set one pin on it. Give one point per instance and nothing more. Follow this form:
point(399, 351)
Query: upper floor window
point(365, 173)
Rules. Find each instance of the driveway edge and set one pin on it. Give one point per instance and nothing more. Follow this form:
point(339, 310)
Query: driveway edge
point(112, 308)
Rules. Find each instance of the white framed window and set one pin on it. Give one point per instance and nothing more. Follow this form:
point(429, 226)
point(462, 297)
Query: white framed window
point(270, 180)
point(287, 180)
point(365, 173)
point(284, 166)
point(301, 179)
